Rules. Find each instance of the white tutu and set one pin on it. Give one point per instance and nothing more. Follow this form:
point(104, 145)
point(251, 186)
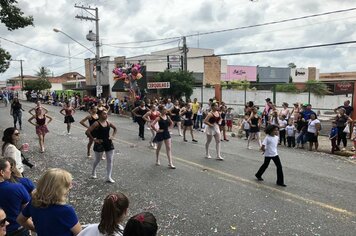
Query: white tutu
point(212, 130)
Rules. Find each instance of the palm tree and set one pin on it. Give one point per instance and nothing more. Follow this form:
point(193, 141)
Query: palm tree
point(43, 72)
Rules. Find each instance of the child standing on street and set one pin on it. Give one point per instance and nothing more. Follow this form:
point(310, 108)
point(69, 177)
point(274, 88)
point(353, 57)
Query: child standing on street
point(282, 123)
point(290, 131)
point(229, 118)
point(245, 125)
point(269, 148)
point(333, 137)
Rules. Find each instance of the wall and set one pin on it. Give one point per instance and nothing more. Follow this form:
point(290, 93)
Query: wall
point(236, 98)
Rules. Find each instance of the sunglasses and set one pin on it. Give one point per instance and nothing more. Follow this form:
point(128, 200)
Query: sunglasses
point(3, 222)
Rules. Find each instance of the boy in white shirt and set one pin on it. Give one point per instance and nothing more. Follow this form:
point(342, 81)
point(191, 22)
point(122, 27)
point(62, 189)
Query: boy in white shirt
point(290, 131)
point(282, 123)
point(269, 148)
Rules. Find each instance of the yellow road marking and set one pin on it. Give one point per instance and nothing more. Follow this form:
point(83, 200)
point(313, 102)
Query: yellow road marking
point(249, 182)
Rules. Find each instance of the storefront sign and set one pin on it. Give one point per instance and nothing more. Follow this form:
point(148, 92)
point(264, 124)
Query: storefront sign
point(158, 85)
point(343, 88)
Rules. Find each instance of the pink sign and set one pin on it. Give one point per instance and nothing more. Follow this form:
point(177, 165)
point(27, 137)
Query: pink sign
point(234, 73)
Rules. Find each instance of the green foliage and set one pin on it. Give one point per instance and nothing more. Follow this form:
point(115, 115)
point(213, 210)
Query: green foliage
point(207, 85)
point(238, 85)
point(292, 65)
point(288, 88)
point(37, 85)
point(317, 88)
point(13, 18)
point(181, 83)
point(4, 60)
point(43, 72)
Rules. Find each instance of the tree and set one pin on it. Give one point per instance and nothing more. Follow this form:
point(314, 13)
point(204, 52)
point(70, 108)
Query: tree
point(317, 88)
point(289, 88)
point(37, 85)
point(13, 18)
point(181, 83)
point(292, 65)
point(43, 72)
point(4, 60)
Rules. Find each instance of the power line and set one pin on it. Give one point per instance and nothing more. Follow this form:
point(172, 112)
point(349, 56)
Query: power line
point(173, 41)
point(277, 50)
point(274, 22)
point(242, 27)
point(37, 50)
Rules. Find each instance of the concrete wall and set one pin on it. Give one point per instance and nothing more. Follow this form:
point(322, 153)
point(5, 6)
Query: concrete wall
point(236, 98)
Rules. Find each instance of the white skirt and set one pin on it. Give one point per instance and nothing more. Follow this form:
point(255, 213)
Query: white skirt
point(212, 130)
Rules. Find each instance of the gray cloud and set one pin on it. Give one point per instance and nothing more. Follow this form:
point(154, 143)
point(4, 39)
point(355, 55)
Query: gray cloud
point(128, 20)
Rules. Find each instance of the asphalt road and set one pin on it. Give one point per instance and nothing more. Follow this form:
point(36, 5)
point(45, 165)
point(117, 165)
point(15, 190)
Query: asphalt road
point(202, 197)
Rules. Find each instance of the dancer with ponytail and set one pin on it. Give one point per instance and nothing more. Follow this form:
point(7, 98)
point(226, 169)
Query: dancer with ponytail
point(91, 118)
point(212, 129)
point(164, 122)
point(103, 143)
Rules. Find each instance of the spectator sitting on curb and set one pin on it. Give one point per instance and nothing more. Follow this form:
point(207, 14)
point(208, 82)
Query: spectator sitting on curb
point(143, 224)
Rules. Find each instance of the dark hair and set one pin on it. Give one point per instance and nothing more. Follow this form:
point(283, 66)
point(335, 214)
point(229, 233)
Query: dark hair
point(114, 207)
point(269, 129)
point(143, 224)
point(161, 108)
point(3, 164)
point(7, 137)
point(100, 111)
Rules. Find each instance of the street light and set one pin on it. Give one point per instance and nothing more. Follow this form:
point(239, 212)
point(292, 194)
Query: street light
point(97, 56)
point(59, 31)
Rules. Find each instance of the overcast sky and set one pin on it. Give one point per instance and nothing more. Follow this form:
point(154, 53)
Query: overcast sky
point(123, 21)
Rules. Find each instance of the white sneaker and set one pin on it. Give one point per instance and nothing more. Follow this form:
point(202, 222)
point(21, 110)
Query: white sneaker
point(343, 149)
point(208, 156)
point(110, 180)
point(93, 176)
point(249, 148)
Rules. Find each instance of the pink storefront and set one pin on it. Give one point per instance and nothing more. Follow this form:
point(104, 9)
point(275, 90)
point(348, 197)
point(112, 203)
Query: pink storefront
point(235, 73)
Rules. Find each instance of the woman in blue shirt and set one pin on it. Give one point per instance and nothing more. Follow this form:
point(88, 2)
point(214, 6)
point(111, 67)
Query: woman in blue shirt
point(51, 215)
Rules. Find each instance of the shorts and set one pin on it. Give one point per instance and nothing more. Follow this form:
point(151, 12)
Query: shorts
point(229, 123)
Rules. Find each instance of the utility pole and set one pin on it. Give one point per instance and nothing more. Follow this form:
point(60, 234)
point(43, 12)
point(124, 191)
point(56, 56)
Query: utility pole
point(22, 82)
point(97, 43)
point(185, 53)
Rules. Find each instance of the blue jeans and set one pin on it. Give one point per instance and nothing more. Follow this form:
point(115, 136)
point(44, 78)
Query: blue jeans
point(301, 139)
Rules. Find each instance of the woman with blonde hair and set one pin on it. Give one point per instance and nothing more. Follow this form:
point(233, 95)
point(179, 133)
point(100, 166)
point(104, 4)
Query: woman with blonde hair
point(113, 212)
point(51, 215)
